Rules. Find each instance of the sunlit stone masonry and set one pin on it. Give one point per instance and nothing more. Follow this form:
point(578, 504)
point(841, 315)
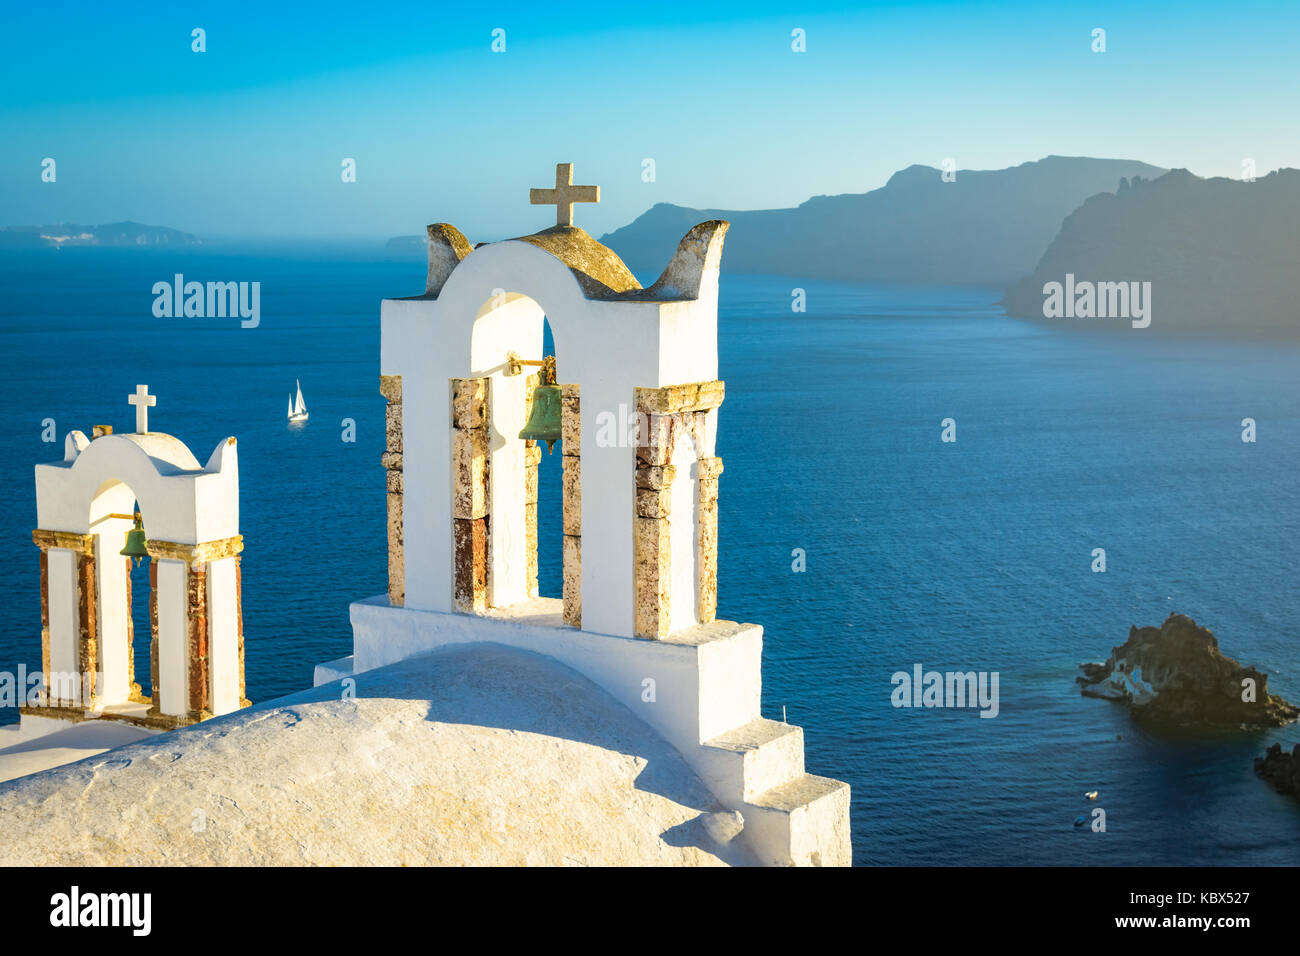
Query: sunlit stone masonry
point(637, 373)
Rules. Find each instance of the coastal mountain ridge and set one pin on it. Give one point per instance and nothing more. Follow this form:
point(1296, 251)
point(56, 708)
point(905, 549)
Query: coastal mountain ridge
point(986, 227)
point(109, 234)
point(1219, 254)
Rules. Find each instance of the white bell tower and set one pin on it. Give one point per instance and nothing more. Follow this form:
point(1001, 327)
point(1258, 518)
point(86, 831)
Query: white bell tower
point(86, 504)
point(638, 372)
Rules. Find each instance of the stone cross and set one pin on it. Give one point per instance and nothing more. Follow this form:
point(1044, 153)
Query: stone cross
point(564, 195)
point(142, 400)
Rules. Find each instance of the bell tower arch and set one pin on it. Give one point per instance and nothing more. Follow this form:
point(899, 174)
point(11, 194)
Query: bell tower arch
point(458, 398)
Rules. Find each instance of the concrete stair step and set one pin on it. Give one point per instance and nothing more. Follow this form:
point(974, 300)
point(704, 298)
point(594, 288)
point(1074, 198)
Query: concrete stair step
point(803, 822)
point(756, 757)
point(333, 670)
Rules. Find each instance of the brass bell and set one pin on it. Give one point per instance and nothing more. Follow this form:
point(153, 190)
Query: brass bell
point(135, 542)
point(544, 422)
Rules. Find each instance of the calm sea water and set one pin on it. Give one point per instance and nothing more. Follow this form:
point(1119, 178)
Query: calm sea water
point(973, 555)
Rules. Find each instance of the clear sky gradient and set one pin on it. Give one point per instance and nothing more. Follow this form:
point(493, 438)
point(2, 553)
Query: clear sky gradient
point(248, 138)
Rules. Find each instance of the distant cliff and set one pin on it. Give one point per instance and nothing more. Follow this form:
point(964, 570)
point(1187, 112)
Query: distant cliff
point(1174, 676)
point(111, 234)
point(986, 227)
point(1219, 254)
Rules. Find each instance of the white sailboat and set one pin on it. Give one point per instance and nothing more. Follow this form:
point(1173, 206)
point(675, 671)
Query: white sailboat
point(297, 407)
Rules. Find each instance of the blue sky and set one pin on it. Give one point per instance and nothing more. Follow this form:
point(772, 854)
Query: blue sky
point(248, 138)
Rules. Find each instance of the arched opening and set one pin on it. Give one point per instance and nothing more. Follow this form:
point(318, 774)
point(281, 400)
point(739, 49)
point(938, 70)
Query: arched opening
point(124, 602)
point(516, 507)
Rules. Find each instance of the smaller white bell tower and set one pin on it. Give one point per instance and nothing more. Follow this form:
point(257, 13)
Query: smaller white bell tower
point(86, 504)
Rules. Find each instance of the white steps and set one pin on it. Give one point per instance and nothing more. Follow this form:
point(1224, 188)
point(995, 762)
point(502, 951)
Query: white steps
point(804, 822)
point(791, 817)
point(755, 757)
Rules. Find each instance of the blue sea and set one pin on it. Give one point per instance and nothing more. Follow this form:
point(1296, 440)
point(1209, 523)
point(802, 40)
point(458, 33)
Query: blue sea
point(968, 555)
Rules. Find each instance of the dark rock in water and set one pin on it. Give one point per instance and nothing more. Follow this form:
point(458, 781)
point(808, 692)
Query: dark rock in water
point(1281, 769)
point(1174, 676)
point(1093, 673)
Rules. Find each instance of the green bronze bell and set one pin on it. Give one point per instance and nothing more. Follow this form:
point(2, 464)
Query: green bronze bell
point(135, 542)
point(544, 422)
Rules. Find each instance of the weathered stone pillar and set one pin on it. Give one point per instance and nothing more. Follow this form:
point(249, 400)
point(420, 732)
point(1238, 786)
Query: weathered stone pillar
point(470, 462)
point(390, 386)
point(88, 618)
point(196, 615)
point(239, 621)
point(653, 544)
point(69, 613)
point(196, 659)
point(154, 697)
point(45, 627)
point(571, 448)
point(707, 531)
point(669, 415)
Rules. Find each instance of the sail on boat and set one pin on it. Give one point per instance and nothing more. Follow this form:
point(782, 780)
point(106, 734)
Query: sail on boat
point(297, 407)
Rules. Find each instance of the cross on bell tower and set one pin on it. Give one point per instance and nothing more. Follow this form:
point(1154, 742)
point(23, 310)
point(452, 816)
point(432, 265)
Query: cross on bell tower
point(564, 195)
point(142, 400)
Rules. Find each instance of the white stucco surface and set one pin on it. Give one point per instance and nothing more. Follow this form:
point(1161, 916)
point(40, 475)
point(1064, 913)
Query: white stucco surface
point(223, 636)
point(706, 680)
point(44, 744)
point(470, 755)
point(172, 647)
point(182, 501)
point(699, 689)
point(61, 575)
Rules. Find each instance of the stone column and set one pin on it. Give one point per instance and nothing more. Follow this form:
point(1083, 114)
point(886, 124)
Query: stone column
point(470, 462)
point(182, 615)
point(69, 605)
point(88, 619)
point(45, 626)
point(390, 386)
point(154, 696)
point(196, 643)
point(571, 448)
point(707, 531)
point(239, 621)
point(668, 415)
point(653, 544)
